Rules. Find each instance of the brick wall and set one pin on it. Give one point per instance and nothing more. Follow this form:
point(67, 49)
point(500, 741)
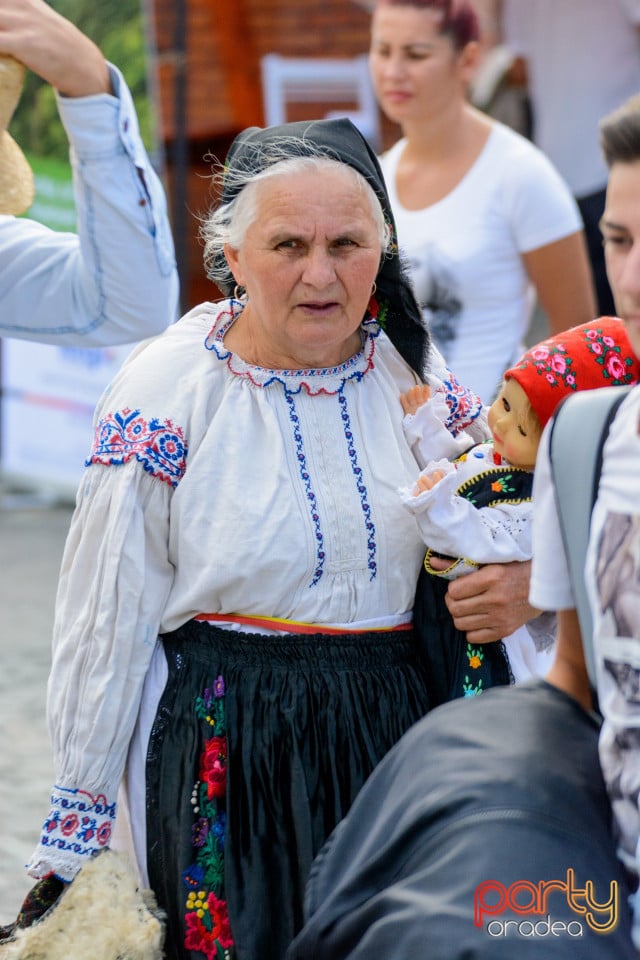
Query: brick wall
point(225, 41)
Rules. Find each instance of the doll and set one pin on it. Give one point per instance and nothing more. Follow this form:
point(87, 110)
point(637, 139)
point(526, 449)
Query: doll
point(474, 505)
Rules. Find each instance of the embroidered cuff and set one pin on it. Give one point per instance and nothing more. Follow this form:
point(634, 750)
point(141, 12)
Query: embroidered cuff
point(463, 405)
point(79, 825)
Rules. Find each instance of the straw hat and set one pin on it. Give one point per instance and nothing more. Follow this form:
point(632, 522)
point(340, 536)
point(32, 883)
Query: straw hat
point(16, 177)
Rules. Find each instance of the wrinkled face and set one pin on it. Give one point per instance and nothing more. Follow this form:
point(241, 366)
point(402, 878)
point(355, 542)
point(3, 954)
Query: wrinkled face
point(308, 262)
point(515, 436)
point(416, 70)
point(620, 227)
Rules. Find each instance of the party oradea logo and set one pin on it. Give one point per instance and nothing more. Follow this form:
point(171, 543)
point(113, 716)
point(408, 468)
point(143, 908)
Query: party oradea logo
point(547, 909)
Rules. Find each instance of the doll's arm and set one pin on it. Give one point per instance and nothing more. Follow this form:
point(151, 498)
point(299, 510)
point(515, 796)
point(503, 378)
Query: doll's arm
point(427, 481)
point(454, 527)
point(426, 412)
point(415, 397)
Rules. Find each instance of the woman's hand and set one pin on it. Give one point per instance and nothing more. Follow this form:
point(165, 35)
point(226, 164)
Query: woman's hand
point(491, 603)
point(51, 46)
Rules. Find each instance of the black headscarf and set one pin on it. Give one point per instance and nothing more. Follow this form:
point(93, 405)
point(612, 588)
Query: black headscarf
point(256, 148)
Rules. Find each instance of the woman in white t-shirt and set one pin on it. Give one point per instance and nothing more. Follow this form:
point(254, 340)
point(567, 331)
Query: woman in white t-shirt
point(483, 219)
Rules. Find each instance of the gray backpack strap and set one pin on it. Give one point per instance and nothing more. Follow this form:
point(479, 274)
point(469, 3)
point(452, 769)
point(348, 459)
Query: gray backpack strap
point(579, 430)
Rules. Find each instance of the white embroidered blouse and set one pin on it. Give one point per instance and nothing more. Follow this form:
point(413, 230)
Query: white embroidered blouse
point(216, 486)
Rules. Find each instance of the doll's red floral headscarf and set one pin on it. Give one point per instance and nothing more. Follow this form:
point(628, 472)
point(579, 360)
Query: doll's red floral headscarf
point(595, 354)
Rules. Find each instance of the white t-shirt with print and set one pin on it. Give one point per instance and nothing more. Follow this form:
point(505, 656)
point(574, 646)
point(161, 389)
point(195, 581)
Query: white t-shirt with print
point(464, 253)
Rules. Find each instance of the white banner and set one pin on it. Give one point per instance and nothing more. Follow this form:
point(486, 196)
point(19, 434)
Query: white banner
point(49, 395)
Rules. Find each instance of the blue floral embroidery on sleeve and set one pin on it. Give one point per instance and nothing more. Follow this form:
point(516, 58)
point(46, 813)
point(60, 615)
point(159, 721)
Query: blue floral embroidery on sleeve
point(464, 405)
point(159, 446)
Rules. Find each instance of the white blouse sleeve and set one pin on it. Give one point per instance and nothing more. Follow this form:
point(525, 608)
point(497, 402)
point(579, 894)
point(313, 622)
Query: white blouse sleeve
point(428, 436)
point(114, 581)
point(550, 587)
point(464, 410)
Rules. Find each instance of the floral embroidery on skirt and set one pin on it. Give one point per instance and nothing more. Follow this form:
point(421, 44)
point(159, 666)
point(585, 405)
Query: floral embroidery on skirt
point(206, 918)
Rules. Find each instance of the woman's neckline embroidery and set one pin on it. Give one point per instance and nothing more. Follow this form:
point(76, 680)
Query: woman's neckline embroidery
point(327, 380)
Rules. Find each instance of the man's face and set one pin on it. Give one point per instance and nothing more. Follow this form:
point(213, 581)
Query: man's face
point(620, 227)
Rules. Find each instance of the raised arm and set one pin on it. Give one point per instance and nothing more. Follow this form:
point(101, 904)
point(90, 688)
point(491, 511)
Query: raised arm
point(51, 46)
point(115, 281)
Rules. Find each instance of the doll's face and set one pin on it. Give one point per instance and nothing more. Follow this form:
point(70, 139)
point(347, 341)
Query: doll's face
point(515, 428)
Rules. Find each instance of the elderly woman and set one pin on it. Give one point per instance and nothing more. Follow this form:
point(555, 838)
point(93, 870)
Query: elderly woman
point(234, 617)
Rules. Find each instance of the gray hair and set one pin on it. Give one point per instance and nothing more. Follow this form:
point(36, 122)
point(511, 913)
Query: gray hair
point(229, 223)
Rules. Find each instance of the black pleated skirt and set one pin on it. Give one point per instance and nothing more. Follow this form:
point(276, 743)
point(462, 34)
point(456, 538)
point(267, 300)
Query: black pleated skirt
point(259, 747)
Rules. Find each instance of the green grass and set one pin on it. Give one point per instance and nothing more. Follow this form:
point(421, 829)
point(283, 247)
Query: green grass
point(53, 204)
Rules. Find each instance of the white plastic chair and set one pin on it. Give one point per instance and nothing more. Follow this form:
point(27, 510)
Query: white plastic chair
point(287, 80)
